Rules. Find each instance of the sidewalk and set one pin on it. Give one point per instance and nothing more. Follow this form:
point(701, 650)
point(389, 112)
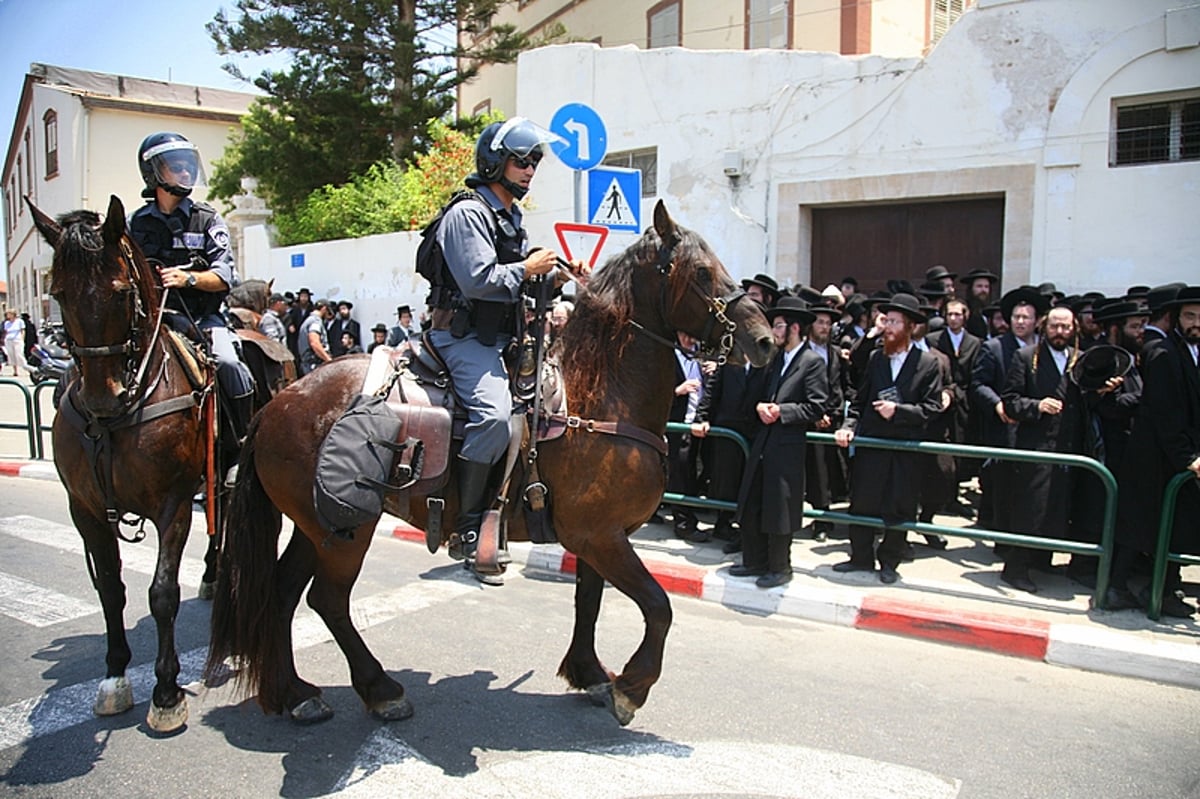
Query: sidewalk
point(954, 596)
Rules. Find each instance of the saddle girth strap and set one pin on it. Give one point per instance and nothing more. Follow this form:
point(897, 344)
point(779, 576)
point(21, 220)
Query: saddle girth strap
point(614, 429)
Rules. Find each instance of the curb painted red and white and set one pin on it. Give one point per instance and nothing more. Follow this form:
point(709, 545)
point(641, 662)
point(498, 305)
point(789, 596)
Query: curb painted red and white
point(36, 470)
point(1070, 645)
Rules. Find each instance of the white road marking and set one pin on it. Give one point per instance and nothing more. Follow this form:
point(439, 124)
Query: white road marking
point(141, 558)
point(66, 707)
point(386, 765)
point(37, 606)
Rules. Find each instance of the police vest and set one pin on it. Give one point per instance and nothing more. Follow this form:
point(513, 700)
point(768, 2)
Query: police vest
point(157, 240)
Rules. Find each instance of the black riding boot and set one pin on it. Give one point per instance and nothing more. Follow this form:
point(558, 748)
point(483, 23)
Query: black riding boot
point(239, 410)
point(472, 502)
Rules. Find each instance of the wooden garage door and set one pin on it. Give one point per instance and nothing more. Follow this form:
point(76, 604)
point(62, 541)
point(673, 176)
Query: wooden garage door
point(874, 243)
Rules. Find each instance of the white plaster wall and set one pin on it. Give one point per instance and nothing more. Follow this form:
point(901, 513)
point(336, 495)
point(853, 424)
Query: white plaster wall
point(972, 118)
point(375, 272)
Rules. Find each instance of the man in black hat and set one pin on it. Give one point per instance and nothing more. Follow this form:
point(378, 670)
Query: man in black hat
point(979, 285)
point(683, 450)
point(343, 323)
point(901, 390)
point(301, 308)
point(942, 275)
point(824, 467)
point(771, 499)
point(935, 294)
point(403, 330)
point(961, 348)
point(1049, 411)
point(1090, 333)
point(1164, 442)
point(849, 287)
point(1159, 313)
point(378, 337)
point(763, 289)
point(1021, 308)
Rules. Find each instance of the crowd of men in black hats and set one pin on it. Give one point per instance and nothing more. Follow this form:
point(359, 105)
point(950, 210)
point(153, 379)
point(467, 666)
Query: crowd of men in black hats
point(951, 360)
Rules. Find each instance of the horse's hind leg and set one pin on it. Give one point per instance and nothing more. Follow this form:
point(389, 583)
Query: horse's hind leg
point(300, 699)
point(115, 694)
point(616, 562)
point(208, 583)
point(330, 598)
point(581, 667)
point(168, 707)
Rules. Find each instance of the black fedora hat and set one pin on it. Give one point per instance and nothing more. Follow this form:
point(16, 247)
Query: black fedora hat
point(1159, 296)
point(1136, 291)
point(403, 309)
point(975, 274)
point(881, 295)
point(347, 303)
point(766, 281)
point(1098, 365)
point(1120, 309)
point(833, 313)
point(379, 328)
point(793, 309)
point(848, 279)
point(1025, 295)
point(900, 286)
point(937, 273)
point(1188, 295)
point(809, 295)
point(906, 304)
point(933, 288)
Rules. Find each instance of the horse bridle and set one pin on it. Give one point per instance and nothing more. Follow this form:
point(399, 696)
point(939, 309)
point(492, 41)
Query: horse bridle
point(135, 360)
point(717, 307)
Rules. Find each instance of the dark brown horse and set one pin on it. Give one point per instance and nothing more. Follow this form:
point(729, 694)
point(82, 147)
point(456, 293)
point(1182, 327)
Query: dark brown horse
point(128, 437)
point(619, 365)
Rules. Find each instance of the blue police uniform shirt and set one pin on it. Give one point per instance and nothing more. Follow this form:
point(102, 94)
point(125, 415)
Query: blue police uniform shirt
point(469, 246)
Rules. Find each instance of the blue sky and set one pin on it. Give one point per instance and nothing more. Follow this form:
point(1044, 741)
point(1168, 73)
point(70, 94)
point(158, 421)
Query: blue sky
point(162, 40)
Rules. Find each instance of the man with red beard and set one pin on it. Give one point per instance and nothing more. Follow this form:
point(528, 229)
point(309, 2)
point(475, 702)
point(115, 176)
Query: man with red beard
point(900, 392)
point(1049, 411)
point(1164, 442)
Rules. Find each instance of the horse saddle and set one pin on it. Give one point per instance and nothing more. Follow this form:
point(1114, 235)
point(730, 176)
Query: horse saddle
point(191, 358)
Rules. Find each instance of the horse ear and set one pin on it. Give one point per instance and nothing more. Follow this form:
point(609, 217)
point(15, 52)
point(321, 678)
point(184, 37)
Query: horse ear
point(51, 231)
point(114, 220)
point(664, 224)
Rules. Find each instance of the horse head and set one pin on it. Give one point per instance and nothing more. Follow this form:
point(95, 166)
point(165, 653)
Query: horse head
point(698, 297)
point(106, 291)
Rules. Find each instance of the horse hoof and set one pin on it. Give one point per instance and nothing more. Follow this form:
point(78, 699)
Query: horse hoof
point(488, 579)
point(393, 710)
point(311, 711)
point(167, 719)
point(207, 590)
point(605, 695)
point(115, 696)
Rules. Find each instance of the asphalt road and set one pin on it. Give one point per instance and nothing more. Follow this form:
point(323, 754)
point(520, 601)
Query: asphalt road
point(747, 706)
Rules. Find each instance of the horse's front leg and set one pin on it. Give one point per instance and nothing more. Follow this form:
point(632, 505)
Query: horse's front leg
point(168, 706)
point(115, 694)
point(581, 667)
point(614, 559)
point(329, 596)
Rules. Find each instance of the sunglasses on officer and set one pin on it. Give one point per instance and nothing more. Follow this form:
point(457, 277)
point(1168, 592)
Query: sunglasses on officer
point(528, 161)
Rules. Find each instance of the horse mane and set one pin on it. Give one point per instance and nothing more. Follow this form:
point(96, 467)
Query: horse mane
point(595, 337)
point(81, 254)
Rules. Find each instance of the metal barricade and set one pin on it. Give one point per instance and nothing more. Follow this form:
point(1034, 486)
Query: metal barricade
point(1104, 549)
point(30, 424)
point(705, 502)
point(1162, 548)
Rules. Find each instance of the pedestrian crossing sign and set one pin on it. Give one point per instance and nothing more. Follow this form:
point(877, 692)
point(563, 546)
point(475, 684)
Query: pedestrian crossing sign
point(615, 198)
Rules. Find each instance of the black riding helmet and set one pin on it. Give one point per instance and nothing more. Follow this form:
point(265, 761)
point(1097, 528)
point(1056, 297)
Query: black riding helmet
point(171, 161)
point(516, 138)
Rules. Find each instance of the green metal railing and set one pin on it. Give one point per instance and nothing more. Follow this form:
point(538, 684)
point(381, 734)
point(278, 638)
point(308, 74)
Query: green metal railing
point(704, 502)
point(1104, 549)
point(30, 425)
point(1163, 544)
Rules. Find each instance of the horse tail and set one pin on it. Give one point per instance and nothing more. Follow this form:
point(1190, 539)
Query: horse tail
point(246, 625)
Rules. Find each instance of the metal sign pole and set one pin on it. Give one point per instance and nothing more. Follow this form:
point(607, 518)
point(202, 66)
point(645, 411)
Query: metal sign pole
point(579, 201)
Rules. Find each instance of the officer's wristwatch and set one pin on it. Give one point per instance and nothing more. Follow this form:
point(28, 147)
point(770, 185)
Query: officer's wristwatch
point(191, 281)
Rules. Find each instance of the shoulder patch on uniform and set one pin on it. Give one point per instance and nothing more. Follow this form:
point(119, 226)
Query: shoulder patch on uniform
point(221, 236)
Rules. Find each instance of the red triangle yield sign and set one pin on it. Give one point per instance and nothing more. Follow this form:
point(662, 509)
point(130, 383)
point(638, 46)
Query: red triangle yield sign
point(581, 241)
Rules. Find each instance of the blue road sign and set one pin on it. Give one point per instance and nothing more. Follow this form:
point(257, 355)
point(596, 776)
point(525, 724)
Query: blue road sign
point(615, 198)
point(584, 139)
point(297, 260)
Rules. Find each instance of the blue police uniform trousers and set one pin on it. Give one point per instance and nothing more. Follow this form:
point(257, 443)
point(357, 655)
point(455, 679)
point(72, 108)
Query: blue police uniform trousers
point(481, 385)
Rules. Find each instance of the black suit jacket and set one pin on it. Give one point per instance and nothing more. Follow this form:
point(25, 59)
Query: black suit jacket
point(987, 383)
point(801, 392)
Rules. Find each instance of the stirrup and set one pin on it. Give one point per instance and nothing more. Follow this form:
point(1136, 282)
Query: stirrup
point(231, 476)
point(462, 546)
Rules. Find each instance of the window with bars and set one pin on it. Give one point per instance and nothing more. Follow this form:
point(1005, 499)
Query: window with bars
point(663, 24)
point(943, 14)
point(767, 23)
point(50, 137)
point(1158, 132)
point(645, 159)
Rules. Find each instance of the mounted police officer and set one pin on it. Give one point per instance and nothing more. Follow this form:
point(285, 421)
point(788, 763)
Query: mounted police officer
point(476, 307)
point(189, 243)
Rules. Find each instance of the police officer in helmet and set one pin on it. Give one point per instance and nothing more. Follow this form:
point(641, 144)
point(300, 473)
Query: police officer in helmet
point(475, 315)
point(189, 243)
